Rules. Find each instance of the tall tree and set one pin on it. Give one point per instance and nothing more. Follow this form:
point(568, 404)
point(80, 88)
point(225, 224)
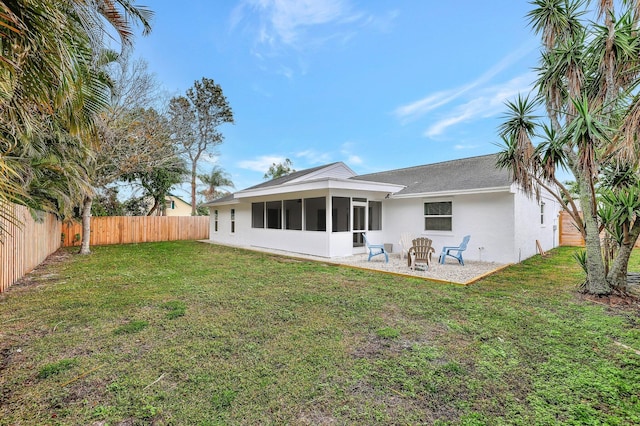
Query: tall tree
point(50, 90)
point(216, 179)
point(195, 120)
point(587, 80)
point(280, 169)
point(131, 137)
point(158, 181)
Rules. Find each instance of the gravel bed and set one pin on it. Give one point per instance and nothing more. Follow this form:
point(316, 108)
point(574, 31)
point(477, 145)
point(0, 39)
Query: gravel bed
point(451, 271)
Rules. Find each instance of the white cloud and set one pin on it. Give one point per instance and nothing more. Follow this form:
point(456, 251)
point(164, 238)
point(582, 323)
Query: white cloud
point(261, 164)
point(354, 159)
point(314, 157)
point(286, 21)
point(436, 100)
point(487, 103)
point(346, 149)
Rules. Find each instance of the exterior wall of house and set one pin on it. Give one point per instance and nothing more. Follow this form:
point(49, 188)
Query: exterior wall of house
point(177, 208)
point(317, 243)
point(488, 218)
point(305, 242)
point(501, 226)
point(529, 228)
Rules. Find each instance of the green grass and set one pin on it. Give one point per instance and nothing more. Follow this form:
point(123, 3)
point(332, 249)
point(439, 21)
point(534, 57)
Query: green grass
point(190, 333)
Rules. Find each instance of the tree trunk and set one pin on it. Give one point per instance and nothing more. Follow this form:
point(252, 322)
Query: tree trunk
point(156, 204)
point(596, 278)
point(86, 224)
point(193, 188)
point(617, 276)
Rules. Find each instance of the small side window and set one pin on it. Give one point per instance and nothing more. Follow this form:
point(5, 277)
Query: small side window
point(233, 221)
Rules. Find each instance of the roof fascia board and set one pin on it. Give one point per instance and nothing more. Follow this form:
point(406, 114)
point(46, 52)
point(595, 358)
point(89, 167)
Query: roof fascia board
point(323, 183)
point(459, 192)
point(310, 176)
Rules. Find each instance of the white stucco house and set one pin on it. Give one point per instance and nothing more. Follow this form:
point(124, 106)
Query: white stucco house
point(323, 211)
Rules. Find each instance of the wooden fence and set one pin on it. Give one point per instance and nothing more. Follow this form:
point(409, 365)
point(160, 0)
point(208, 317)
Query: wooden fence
point(26, 244)
point(138, 229)
point(569, 234)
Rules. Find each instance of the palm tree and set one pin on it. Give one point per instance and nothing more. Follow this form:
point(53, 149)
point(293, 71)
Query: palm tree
point(587, 76)
point(49, 88)
point(216, 179)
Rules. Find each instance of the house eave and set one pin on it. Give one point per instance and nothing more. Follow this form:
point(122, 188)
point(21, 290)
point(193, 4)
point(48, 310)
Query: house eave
point(220, 203)
point(455, 192)
point(320, 184)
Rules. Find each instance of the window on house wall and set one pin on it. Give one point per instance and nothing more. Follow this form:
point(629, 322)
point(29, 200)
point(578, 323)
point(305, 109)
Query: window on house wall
point(233, 220)
point(215, 221)
point(375, 215)
point(340, 217)
point(437, 216)
point(315, 214)
point(257, 215)
point(293, 214)
point(274, 214)
point(542, 213)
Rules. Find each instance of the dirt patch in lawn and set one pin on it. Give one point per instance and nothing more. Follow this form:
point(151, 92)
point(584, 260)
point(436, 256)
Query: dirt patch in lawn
point(41, 275)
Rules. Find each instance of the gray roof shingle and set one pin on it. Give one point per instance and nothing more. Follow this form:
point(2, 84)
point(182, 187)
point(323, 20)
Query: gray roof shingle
point(455, 175)
point(289, 177)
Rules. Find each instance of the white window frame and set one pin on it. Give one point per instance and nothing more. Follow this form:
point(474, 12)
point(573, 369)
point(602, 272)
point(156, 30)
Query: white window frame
point(450, 216)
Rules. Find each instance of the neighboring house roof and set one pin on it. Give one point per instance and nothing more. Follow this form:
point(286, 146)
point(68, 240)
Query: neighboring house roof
point(466, 175)
point(170, 196)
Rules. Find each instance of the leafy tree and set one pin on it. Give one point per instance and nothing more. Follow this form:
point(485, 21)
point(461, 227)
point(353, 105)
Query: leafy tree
point(216, 179)
point(195, 119)
point(106, 203)
point(157, 182)
point(136, 206)
point(50, 90)
point(587, 81)
point(280, 169)
point(131, 136)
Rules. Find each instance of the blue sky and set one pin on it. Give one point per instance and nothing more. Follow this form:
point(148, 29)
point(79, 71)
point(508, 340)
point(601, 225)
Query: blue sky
point(378, 85)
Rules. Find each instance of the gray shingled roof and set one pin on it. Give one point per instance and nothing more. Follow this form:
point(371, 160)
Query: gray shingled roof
point(228, 197)
point(455, 175)
point(289, 177)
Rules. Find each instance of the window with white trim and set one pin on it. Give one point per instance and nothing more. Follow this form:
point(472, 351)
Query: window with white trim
point(215, 221)
point(542, 213)
point(438, 216)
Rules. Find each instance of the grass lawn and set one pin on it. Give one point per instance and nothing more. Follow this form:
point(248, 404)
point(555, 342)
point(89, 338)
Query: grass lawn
point(189, 333)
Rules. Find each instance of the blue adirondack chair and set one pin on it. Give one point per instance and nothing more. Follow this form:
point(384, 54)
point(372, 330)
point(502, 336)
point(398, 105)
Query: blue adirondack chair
point(375, 249)
point(446, 251)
